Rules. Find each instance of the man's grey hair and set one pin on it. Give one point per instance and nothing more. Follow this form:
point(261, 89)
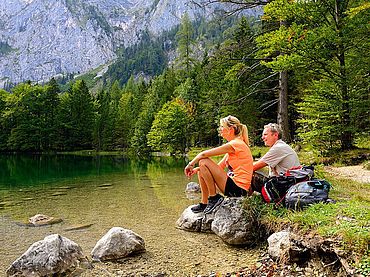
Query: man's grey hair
point(274, 128)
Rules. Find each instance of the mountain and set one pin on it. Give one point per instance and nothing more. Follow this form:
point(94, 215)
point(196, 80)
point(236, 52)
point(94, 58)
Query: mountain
point(40, 39)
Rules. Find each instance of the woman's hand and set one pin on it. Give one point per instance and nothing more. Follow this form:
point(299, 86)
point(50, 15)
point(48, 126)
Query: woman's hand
point(194, 171)
point(190, 170)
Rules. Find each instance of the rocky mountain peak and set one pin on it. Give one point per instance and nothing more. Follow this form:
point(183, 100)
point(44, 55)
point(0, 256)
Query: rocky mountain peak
point(40, 39)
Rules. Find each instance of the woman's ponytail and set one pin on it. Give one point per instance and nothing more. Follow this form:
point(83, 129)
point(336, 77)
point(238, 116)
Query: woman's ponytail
point(245, 134)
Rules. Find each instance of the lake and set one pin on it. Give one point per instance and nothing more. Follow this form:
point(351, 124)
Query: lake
point(146, 197)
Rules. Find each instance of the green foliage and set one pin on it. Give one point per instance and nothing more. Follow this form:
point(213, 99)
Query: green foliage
point(4, 119)
point(159, 92)
point(321, 116)
point(364, 265)
point(185, 41)
point(232, 83)
point(169, 129)
point(147, 58)
point(29, 117)
point(76, 117)
point(324, 47)
point(126, 118)
point(105, 119)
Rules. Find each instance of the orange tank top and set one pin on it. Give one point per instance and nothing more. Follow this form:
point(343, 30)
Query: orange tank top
point(240, 163)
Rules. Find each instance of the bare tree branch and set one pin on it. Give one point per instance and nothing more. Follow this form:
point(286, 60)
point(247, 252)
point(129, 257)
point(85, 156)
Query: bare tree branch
point(269, 104)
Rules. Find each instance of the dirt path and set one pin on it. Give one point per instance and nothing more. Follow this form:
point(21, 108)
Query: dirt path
point(355, 172)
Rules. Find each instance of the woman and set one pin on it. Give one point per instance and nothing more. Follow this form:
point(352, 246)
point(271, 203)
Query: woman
point(212, 177)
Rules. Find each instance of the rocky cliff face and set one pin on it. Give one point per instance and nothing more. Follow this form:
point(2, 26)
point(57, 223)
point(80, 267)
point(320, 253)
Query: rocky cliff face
point(44, 38)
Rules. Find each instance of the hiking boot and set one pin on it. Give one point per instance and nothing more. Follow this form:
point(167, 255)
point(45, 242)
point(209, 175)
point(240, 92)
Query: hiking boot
point(213, 203)
point(198, 208)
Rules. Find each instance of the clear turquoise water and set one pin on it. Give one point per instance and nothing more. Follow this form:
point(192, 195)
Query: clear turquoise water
point(146, 197)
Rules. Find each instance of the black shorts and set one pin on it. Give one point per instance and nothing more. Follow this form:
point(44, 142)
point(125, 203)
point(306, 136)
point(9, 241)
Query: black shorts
point(232, 190)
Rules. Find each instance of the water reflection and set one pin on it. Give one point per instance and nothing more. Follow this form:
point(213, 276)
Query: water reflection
point(32, 170)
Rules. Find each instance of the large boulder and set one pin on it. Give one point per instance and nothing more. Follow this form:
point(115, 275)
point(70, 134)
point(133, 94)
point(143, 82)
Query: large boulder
point(117, 243)
point(232, 225)
point(52, 255)
point(194, 222)
point(228, 221)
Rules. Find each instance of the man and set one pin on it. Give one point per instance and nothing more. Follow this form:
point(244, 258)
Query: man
point(279, 158)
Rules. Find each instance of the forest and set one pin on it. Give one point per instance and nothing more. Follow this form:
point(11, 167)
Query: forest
point(304, 65)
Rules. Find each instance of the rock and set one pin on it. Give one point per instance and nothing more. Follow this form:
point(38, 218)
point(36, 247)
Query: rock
point(117, 243)
point(192, 191)
point(231, 224)
point(52, 255)
point(59, 193)
point(106, 185)
point(78, 227)
point(279, 244)
point(192, 187)
point(228, 222)
point(288, 247)
point(195, 222)
point(41, 220)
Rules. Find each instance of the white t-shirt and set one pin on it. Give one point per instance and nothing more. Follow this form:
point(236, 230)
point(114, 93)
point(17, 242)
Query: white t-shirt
point(280, 158)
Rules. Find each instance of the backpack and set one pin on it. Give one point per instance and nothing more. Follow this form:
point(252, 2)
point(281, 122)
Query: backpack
point(306, 193)
point(274, 190)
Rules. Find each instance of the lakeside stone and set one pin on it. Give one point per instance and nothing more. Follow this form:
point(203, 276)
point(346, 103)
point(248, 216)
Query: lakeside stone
point(279, 244)
point(231, 224)
point(228, 222)
point(52, 255)
point(117, 243)
point(194, 222)
point(292, 248)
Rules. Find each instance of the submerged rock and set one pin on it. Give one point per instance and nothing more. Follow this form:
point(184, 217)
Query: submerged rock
point(78, 227)
point(117, 243)
point(41, 220)
point(52, 255)
point(192, 187)
point(106, 185)
point(59, 193)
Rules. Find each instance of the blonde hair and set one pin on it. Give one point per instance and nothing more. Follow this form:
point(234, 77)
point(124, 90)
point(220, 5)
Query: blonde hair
point(239, 128)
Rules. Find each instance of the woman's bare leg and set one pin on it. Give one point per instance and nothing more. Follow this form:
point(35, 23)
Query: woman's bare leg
point(210, 175)
point(204, 189)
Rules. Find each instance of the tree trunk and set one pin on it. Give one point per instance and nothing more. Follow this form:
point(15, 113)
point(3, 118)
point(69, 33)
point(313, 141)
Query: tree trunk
point(282, 118)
